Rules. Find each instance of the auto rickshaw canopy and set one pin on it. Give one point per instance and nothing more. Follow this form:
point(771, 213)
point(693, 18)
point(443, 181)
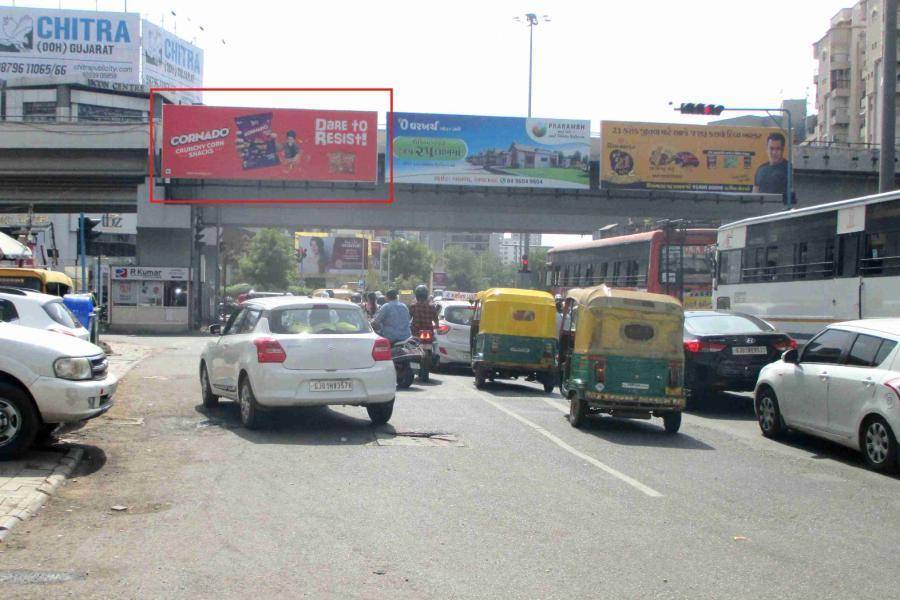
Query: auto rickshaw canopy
point(511, 311)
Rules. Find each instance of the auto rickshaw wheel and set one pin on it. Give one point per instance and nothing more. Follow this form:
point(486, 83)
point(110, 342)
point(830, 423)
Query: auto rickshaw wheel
point(672, 422)
point(479, 379)
point(577, 411)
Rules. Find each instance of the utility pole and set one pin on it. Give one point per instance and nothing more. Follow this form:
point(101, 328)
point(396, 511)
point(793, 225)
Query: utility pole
point(888, 97)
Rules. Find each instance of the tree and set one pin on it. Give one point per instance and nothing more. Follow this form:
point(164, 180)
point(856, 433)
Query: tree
point(493, 273)
point(409, 261)
point(462, 268)
point(270, 260)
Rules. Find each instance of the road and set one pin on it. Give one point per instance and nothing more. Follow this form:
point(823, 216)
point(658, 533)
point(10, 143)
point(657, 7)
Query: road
point(510, 503)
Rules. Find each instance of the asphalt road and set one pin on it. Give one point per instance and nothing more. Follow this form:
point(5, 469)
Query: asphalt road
point(510, 502)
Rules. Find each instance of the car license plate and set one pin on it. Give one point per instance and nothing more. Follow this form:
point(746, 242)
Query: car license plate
point(331, 385)
point(750, 350)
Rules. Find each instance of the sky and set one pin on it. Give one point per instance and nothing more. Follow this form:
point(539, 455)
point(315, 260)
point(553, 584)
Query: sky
point(600, 60)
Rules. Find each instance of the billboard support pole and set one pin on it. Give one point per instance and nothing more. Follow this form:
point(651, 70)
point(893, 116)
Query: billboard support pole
point(888, 98)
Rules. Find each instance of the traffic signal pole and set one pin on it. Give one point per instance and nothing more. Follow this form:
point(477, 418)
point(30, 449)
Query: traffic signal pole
point(81, 256)
point(888, 98)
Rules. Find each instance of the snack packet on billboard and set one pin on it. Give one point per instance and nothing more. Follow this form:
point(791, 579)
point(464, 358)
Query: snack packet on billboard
point(341, 162)
point(256, 143)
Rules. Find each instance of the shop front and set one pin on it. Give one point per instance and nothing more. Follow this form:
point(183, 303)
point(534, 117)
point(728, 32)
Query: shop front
point(152, 299)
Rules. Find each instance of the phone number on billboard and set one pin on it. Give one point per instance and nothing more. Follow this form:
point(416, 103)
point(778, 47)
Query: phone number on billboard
point(32, 69)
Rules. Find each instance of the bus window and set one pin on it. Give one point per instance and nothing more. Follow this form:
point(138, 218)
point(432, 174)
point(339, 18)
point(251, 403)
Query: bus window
point(729, 267)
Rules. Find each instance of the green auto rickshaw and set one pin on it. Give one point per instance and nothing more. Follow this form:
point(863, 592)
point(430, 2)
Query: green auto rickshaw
point(513, 333)
point(621, 353)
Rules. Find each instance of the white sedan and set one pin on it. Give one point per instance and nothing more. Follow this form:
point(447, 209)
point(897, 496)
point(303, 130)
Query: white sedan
point(290, 351)
point(844, 386)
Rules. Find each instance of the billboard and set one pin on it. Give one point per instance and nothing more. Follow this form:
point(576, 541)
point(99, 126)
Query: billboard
point(37, 42)
point(220, 142)
point(332, 255)
point(375, 250)
point(169, 61)
point(490, 151)
point(700, 158)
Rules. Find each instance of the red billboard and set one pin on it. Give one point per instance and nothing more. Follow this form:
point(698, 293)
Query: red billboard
point(217, 142)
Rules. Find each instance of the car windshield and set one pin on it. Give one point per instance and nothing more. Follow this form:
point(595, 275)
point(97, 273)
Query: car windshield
point(60, 313)
point(319, 320)
point(725, 324)
point(459, 315)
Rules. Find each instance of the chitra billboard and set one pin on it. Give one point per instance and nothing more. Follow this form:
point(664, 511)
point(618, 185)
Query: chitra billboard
point(212, 142)
point(705, 158)
point(37, 42)
point(490, 151)
point(169, 61)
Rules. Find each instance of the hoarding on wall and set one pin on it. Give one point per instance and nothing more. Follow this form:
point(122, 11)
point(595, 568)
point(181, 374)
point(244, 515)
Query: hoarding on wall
point(700, 158)
point(150, 273)
point(332, 255)
point(215, 142)
point(169, 61)
point(37, 42)
point(375, 249)
point(490, 151)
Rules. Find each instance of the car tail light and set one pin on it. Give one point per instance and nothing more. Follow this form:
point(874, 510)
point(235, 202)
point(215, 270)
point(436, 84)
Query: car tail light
point(382, 349)
point(894, 386)
point(674, 374)
point(786, 344)
point(425, 335)
point(695, 346)
point(268, 350)
point(443, 330)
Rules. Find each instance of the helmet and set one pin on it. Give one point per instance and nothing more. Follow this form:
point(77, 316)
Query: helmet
point(421, 292)
point(557, 298)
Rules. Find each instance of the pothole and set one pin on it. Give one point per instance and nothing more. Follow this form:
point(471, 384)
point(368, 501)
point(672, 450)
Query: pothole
point(417, 438)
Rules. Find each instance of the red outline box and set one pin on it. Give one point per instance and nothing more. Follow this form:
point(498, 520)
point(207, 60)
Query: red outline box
point(388, 153)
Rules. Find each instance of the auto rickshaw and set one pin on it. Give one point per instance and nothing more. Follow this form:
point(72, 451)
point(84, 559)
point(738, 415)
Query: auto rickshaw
point(621, 353)
point(513, 333)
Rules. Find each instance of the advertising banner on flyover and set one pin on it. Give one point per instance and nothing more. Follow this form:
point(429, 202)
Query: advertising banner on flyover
point(37, 42)
point(490, 151)
point(698, 158)
point(219, 142)
point(332, 255)
point(169, 61)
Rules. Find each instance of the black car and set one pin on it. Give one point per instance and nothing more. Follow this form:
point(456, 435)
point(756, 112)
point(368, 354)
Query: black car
point(726, 350)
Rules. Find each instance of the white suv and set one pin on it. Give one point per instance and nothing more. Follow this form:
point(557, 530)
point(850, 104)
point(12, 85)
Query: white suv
point(844, 386)
point(291, 351)
point(42, 311)
point(47, 379)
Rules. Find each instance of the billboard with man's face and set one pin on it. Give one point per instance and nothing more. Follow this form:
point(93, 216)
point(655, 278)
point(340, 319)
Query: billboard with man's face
point(697, 158)
point(322, 255)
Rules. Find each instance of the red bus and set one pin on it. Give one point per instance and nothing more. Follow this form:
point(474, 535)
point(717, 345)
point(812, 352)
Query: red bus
point(677, 262)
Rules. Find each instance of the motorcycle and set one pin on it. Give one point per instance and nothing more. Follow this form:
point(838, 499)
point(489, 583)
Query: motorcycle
point(426, 340)
point(404, 353)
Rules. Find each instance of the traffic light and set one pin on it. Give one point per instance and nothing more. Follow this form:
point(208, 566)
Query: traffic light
point(86, 232)
point(690, 108)
point(199, 232)
point(524, 267)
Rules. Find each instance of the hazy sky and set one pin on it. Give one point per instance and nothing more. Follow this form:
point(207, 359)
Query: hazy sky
point(606, 59)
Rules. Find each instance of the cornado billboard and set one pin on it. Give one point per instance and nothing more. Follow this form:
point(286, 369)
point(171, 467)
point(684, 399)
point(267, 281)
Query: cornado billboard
point(490, 151)
point(705, 158)
point(214, 142)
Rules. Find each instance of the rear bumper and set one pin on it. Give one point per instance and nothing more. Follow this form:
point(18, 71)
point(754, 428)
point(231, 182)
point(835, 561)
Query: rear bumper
point(274, 386)
point(634, 403)
point(452, 353)
point(65, 401)
point(727, 377)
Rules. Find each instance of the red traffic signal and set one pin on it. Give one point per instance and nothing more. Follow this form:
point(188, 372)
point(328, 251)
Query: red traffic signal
point(691, 108)
point(524, 268)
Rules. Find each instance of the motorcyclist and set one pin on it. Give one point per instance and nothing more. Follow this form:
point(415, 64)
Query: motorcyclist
point(392, 319)
point(424, 314)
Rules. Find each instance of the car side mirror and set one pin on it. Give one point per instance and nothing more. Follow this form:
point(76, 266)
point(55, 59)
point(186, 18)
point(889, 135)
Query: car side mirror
point(215, 329)
point(791, 356)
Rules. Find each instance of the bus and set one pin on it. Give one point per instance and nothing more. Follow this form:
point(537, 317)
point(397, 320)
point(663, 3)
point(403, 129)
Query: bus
point(677, 262)
point(804, 268)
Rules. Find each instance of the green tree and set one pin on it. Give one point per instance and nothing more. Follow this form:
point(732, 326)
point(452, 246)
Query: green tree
point(409, 261)
point(493, 273)
point(270, 260)
point(462, 268)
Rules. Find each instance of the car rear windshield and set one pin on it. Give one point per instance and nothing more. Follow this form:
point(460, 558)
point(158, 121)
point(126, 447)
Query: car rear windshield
point(725, 324)
point(319, 320)
point(60, 313)
point(459, 315)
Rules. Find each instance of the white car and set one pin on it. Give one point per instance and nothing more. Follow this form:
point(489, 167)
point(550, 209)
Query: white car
point(290, 351)
point(843, 386)
point(41, 311)
point(47, 379)
point(451, 340)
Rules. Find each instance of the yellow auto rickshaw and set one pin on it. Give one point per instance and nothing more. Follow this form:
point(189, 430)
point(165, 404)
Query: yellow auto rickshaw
point(513, 333)
point(621, 353)
point(39, 280)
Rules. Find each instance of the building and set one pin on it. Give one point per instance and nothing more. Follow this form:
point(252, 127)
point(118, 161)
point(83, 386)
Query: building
point(848, 78)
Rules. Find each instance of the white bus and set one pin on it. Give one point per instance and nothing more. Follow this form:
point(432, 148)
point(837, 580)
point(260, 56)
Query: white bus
point(805, 268)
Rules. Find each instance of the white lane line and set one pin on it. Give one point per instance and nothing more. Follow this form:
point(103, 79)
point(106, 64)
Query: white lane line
point(590, 459)
point(556, 405)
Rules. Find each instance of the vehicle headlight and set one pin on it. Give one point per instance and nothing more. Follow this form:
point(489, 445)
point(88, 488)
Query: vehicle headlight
point(72, 368)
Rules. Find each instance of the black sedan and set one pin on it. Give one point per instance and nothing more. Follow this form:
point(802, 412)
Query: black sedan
point(726, 350)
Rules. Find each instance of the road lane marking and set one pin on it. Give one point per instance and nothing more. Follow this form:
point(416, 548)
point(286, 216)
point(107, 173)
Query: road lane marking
point(556, 405)
point(590, 459)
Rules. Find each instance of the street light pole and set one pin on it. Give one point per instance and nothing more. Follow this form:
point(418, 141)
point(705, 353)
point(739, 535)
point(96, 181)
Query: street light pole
point(888, 97)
